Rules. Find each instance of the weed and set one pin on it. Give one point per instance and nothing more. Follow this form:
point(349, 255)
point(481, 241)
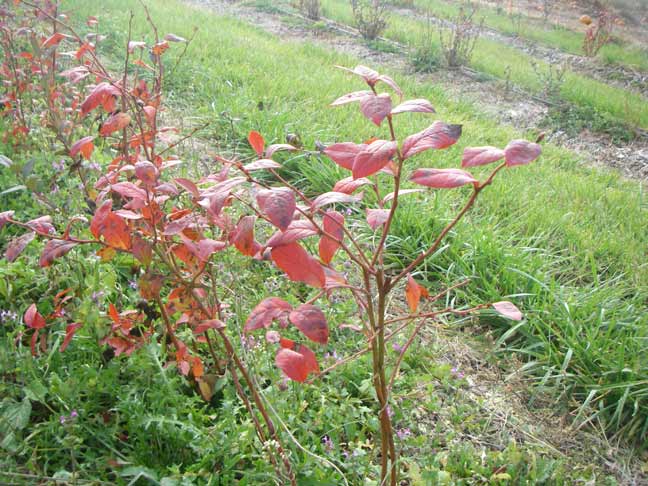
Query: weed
point(370, 17)
point(458, 41)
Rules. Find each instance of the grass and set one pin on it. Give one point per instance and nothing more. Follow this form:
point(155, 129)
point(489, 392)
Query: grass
point(564, 241)
point(498, 60)
point(536, 30)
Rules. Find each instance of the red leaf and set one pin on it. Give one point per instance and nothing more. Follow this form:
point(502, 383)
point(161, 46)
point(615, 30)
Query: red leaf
point(262, 164)
point(521, 152)
point(279, 205)
point(265, 312)
point(33, 319)
point(369, 75)
point(413, 293)
point(333, 223)
point(442, 178)
point(132, 45)
point(414, 106)
point(147, 172)
point(204, 249)
point(142, 250)
point(224, 187)
point(391, 83)
point(348, 185)
point(55, 249)
point(53, 40)
point(402, 192)
point(278, 147)
point(16, 247)
point(128, 189)
point(100, 214)
point(103, 94)
point(70, 330)
point(85, 146)
point(174, 38)
point(42, 225)
point(115, 231)
point(243, 236)
point(377, 217)
point(257, 142)
point(298, 364)
point(376, 107)
point(475, 156)
point(334, 197)
point(343, 154)
point(115, 122)
point(299, 265)
point(373, 158)
point(188, 185)
point(334, 279)
point(159, 48)
point(5, 217)
point(297, 230)
point(286, 343)
point(209, 324)
point(439, 135)
point(507, 309)
point(351, 97)
point(312, 322)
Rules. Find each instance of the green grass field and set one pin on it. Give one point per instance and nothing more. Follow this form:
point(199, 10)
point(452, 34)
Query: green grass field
point(567, 242)
point(496, 59)
point(551, 35)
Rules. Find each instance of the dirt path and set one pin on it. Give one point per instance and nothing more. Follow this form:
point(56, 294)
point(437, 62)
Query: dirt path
point(510, 107)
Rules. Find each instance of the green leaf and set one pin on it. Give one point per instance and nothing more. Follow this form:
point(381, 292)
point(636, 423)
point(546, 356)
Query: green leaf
point(19, 187)
point(15, 416)
point(36, 391)
point(6, 161)
point(28, 167)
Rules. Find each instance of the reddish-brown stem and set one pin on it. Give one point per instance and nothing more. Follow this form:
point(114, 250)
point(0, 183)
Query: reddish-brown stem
point(476, 191)
point(392, 210)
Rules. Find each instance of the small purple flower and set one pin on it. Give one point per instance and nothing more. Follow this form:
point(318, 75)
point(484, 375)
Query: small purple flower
point(349, 212)
point(398, 347)
point(74, 414)
point(97, 295)
point(93, 166)
point(403, 433)
point(62, 419)
point(333, 355)
point(54, 189)
point(390, 412)
point(328, 443)
point(58, 166)
point(456, 373)
point(132, 284)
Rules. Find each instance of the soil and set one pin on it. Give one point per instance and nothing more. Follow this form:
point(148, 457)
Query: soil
point(509, 106)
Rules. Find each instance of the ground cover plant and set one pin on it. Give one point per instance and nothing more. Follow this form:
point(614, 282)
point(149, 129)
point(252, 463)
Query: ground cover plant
point(308, 180)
